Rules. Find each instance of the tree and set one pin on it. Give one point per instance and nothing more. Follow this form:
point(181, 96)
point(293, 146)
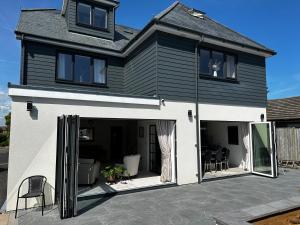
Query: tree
point(4, 138)
point(7, 121)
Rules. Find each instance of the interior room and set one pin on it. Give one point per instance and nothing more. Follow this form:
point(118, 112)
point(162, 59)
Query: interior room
point(106, 145)
point(225, 148)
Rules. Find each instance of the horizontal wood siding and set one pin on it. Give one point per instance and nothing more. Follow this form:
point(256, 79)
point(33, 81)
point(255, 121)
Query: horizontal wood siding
point(176, 68)
point(250, 91)
point(176, 76)
point(40, 63)
point(71, 18)
point(140, 70)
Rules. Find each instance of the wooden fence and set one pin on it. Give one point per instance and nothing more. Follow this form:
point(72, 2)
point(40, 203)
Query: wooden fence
point(288, 144)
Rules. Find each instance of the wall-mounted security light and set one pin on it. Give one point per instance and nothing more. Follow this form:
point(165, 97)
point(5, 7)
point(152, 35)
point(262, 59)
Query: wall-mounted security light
point(29, 106)
point(262, 117)
point(190, 113)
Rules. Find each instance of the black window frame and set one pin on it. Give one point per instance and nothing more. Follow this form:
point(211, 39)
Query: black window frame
point(225, 77)
point(92, 25)
point(233, 130)
point(73, 81)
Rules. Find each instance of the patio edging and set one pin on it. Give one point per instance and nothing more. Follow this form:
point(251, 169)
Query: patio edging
point(242, 216)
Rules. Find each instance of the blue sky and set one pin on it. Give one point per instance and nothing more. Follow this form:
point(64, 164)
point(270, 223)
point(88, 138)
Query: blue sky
point(274, 23)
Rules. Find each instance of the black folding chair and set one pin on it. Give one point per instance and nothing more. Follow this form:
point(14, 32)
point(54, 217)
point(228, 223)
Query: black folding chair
point(36, 185)
point(219, 157)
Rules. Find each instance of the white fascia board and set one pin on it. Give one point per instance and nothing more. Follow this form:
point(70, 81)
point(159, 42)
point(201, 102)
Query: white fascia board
point(21, 92)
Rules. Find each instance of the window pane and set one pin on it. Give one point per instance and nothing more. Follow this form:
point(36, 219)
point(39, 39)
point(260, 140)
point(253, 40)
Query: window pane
point(99, 71)
point(64, 71)
point(100, 18)
point(217, 63)
point(204, 62)
point(230, 65)
point(84, 13)
point(82, 69)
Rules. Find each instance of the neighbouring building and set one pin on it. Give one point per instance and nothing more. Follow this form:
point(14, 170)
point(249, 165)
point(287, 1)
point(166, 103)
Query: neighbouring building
point(285, 114)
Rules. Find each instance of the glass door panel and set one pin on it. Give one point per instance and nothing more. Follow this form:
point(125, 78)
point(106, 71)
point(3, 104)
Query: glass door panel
point(262, 151)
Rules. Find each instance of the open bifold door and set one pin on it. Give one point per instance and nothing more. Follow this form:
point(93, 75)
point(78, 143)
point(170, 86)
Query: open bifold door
point(263, 149)
point(67, 165)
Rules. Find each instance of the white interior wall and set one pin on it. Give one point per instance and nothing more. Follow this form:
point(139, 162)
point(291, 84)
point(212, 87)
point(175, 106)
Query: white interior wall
point(218, 134)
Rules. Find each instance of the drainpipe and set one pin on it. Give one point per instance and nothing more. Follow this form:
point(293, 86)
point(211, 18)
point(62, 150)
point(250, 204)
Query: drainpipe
point(199, 164)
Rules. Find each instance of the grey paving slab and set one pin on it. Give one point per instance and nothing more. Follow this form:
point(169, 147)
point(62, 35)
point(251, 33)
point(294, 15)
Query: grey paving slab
point(183, 205)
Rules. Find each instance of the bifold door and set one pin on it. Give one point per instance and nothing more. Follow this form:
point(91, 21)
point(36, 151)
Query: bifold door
point(67, 165)
point(263, 149)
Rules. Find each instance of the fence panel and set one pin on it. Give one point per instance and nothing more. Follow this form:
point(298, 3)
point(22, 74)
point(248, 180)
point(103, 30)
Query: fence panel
point(288, 143)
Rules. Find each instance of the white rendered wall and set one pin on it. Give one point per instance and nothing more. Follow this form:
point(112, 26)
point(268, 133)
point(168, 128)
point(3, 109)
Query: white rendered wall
point(33, 137)
point(230, 113)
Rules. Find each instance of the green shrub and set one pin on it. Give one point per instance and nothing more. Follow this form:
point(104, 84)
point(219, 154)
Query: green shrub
point(3, 137)
point(4, 143)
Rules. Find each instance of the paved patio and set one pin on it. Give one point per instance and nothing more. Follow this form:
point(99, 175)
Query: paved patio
point(182, 205)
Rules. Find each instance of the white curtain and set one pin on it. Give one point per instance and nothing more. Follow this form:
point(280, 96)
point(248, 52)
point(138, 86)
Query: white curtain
point(245, 135)
point(164, 132)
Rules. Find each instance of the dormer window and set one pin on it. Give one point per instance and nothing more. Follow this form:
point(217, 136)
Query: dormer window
point(91, 16)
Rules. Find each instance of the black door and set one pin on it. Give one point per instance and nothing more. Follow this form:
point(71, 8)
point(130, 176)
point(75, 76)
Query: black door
point(116, 144)
point(67, 165)
point(154, 151)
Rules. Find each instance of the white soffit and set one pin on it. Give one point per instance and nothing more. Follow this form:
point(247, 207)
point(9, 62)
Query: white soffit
point(21, 92)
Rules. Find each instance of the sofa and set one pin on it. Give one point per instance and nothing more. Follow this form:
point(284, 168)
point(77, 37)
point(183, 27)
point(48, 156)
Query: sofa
point(88, 171)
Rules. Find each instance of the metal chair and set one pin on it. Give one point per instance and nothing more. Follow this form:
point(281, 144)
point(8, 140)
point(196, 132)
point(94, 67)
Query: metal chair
point(225, 160)
point(219, 157)
point(207, 160)
point(36, 185)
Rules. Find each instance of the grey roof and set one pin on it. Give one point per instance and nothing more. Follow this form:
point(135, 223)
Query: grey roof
point(49, 23)
point(284, 109)
point(180, 15)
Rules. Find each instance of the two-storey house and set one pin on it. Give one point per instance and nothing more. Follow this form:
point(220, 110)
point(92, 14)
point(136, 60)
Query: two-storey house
point(182, 100)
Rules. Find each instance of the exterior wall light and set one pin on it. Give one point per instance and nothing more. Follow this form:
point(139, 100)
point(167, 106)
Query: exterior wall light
point(262, 117)
point(190, 113)
point(29, 106)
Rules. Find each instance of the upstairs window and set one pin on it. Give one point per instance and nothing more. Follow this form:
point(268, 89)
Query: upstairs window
point(217, 64)
point(91, 16)
point(100, 18)
point(84, 14)
point(64, 71)
point(81, 69)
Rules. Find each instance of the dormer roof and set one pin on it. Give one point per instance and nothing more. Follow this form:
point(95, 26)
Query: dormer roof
point(112, 3)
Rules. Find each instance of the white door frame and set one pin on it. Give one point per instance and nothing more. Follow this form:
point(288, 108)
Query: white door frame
point(271, 148)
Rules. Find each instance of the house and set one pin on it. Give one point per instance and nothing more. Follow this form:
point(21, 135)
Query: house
point(166, 101)
point(285, 114)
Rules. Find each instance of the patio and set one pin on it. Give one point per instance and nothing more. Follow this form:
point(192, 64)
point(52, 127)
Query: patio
point(182, 205)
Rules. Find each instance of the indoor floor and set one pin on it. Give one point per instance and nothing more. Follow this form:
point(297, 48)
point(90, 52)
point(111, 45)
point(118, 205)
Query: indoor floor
point(235, 171)
point(143, 180)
